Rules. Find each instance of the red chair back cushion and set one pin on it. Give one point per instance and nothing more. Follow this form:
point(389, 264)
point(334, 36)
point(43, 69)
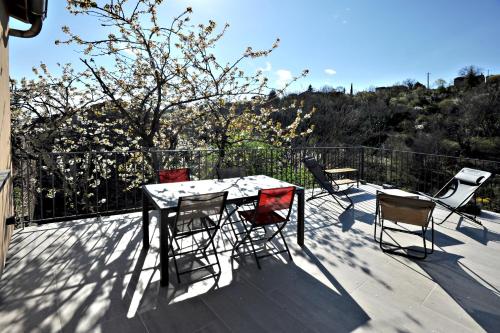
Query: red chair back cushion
point(275, 199)
point(174, 175)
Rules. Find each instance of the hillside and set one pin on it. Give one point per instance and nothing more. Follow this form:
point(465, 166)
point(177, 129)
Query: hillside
point(460, 120)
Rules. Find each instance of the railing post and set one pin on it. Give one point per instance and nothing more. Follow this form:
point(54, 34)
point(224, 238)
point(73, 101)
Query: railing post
point(362, 163)
point(143, 166)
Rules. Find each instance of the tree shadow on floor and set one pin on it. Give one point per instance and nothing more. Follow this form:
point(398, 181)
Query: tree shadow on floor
point(73, 278)
point(442, 240)
point(281, 297)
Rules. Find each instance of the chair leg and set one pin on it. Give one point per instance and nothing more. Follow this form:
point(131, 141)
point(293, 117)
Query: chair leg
point(447, 216)
point(211, 232)
point(376, 221)
point(474, 220)
point(177, 270)
point(381, 234)
point(286, 245)
point(248, 236)
point(396, 249)
point(175, 260)
point(425, 241)
point(228, 220)
point(312, 195)
point(253, 247)
point(238, 243)
point(277, 231)
point(348, 198)
point(232, 227)
point(341, 205)
point(432, 235)
point(172, 239)
point(215, 253)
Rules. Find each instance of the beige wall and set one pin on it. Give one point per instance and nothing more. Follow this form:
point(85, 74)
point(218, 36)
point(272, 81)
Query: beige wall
point(5, 161)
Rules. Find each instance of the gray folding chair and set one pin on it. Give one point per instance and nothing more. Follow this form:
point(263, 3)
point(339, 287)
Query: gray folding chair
point(459, 190)
point(198, 218)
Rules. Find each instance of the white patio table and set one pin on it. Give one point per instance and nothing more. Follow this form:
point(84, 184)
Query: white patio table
point(165, 198)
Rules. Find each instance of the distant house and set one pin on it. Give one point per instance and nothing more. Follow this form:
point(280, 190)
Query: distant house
point(418, 85)
point(493, 79)
point(462, 81)
point(459, 81)
point(392, 89)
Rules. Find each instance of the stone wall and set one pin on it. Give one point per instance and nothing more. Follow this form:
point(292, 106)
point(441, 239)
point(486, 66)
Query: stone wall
point(6, 209)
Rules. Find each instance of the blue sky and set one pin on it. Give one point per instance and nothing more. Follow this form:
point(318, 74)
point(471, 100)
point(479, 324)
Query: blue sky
point(366, 42)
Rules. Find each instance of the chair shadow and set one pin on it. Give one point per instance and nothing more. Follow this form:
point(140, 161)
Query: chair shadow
point(480, 234)
point(358, 195)
point(443, 240)
point(489, 215)
point(480, 302)
point(350, 216)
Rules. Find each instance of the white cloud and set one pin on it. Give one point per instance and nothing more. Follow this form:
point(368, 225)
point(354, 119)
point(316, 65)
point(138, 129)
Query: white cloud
point(268, 67)
point(330, 71)
point(284, 76)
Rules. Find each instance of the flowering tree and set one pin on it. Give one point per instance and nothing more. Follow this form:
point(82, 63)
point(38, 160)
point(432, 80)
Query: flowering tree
point(64, 113)
point(235, 125)
point(145, 86)
point(44, 108)
point(162, 78)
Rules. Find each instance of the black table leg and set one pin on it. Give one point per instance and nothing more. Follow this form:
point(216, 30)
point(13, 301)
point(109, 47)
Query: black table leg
point(145, 221)
point(164, 247)
point(300, 217)
point(375, 221)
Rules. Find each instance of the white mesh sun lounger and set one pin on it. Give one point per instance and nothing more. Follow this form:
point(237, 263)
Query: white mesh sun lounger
point(459, 190)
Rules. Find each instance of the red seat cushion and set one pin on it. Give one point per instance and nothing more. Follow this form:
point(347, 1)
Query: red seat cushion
point(262, 219)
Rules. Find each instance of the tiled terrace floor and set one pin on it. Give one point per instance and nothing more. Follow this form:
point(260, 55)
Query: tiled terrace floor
point(92, 276)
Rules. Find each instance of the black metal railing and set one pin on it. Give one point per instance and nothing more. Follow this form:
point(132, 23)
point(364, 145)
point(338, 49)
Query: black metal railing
point(58, 186)
point(428, 173)
point(63, 186)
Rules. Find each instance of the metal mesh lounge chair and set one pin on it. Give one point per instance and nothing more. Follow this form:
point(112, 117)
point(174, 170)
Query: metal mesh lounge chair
point(174, 175)
point(198, 218)
point(406, 210)
point(328, 185)
point(273, 208)
point(459, 190)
